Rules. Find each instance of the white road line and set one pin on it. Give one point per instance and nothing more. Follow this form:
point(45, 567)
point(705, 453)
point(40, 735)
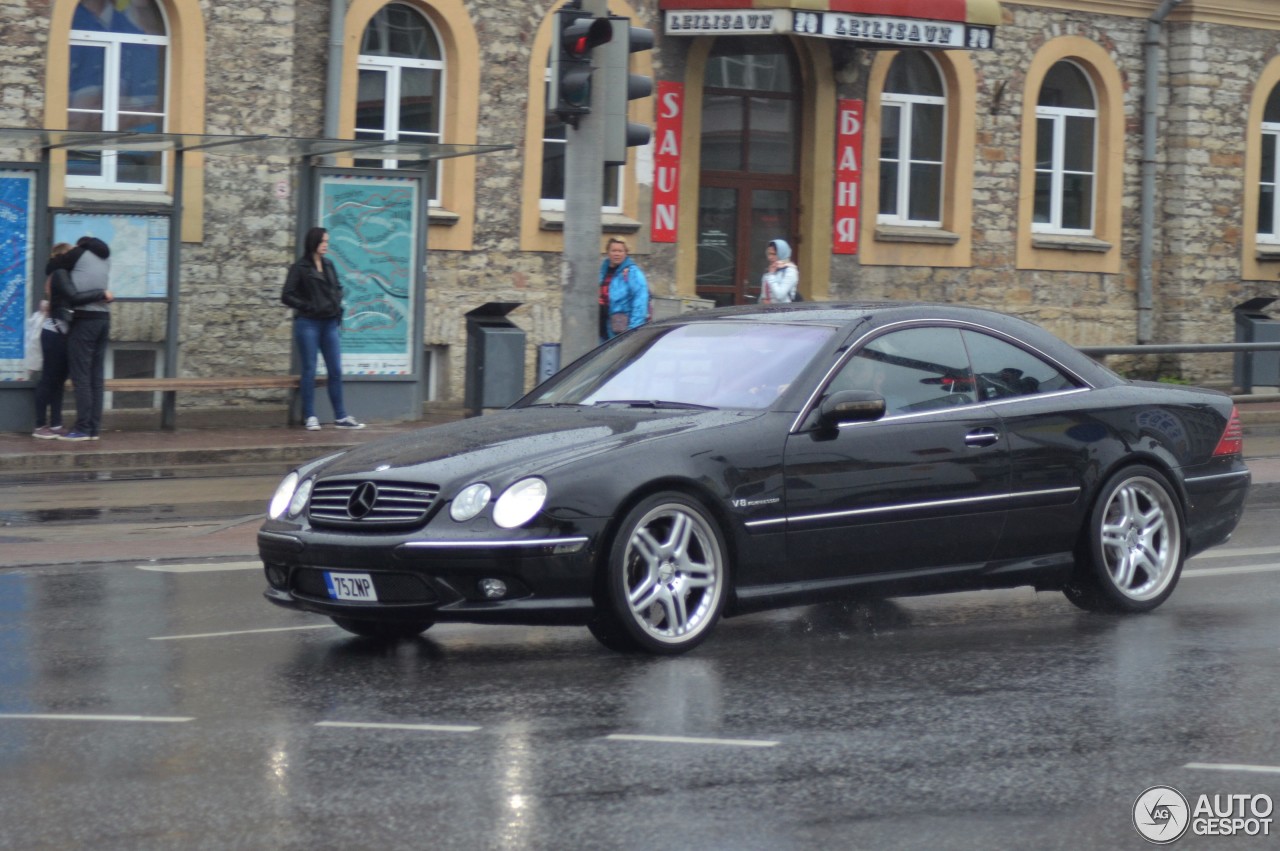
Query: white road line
point(149, 719)
point(239, 632)
point(1231, 766)
point(200, 568)
point(690, 740)
point(431, 728)
point(1237, 552)
point(1224, 571)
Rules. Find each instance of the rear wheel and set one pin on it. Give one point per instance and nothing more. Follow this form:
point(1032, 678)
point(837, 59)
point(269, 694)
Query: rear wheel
point(1131, 552)
point(383, 630)
point(665, 580)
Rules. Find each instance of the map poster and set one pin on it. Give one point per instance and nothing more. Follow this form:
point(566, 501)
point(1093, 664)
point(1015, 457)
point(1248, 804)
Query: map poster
point(373, 238)
point(139, 248)
point(17, 242)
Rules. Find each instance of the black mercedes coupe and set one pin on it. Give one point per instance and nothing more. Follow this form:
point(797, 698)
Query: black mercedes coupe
point(734, 460)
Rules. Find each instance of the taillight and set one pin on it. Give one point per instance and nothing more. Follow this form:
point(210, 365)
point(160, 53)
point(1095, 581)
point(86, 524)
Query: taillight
point(1232, 440)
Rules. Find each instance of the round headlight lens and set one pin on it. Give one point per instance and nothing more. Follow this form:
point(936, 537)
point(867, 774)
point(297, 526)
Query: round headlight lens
point(300, 497)
point(470, 501)
point(519, 503)
point(284, 493)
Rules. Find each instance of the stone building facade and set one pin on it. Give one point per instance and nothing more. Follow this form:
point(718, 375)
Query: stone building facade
point(258, 68)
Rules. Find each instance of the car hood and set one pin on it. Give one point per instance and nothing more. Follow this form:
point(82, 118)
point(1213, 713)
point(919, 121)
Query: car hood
point(519, 441)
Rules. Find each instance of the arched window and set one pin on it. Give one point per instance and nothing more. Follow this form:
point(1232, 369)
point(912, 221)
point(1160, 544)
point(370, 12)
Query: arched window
point(401, 79)
point(554, 145)
point(117, 81)
point(912, 141)
point(1268, 196)
point(1066, 131)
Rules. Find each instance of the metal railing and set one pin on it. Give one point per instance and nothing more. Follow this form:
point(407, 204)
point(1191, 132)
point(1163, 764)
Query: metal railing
point(1098, 352)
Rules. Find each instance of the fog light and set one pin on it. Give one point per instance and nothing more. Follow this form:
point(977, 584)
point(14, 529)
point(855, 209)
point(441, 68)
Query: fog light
point(277, 576)
point(493, 589)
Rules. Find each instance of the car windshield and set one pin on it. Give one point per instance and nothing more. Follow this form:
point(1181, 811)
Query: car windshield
point(699, 365)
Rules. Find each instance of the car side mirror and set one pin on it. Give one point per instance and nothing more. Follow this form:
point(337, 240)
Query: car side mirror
point(850, 406)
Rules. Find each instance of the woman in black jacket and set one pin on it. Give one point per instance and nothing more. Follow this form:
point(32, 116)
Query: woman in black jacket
point(313, 291)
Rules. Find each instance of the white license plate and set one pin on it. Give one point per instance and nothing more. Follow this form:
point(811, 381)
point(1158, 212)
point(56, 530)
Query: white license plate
point(351, 586)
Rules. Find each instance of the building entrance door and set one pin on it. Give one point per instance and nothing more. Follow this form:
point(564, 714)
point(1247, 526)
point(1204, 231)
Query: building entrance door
point(749, 188)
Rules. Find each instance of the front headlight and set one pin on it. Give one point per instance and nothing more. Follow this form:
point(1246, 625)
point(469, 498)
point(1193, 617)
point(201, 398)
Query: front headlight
point(284, 493)
point(519, 503)
point(300, 497)
point(470, 501)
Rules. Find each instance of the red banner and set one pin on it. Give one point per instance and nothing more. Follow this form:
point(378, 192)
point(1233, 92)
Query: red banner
point(666, 161)
point(844, 239)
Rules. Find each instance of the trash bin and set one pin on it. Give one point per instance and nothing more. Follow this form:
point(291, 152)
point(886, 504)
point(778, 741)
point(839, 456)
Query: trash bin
point(495, 358)
point(1253, 325)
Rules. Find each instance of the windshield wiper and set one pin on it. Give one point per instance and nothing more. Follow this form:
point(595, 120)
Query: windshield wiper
point(656, 403)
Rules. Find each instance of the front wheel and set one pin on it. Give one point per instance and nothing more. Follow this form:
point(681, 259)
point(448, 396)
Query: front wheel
point(1131, 552)
point(665, 579)
point(383, 630)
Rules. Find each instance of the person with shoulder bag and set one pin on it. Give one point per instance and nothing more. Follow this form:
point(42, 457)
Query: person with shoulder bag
point(781, 281)
point(79, 284)
point(54, 325)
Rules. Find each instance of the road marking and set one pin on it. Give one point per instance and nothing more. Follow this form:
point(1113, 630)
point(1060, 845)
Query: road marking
point(690, 740)
point(200, 568)
point(1223, 571)
point(1231, 766)
point(240, 632)
point(1238, 552)
point(370, 725)
point(151, 719)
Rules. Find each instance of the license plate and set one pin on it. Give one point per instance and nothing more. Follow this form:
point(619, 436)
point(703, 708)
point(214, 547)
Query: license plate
point(351, 586)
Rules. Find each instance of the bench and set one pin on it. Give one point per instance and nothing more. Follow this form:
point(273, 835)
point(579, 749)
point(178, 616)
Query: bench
point(171, 386)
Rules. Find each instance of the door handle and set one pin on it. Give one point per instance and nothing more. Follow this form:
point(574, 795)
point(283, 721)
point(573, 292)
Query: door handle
point(982, 437)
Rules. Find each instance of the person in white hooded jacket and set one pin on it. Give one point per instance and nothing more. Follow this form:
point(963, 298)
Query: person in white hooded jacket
point(781, 280)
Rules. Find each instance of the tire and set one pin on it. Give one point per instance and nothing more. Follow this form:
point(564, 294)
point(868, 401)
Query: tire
point(665, 580)
point(383, 630)
point(1131, 551)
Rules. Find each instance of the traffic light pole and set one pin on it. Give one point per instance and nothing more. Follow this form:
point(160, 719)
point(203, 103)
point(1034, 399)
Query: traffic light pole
point(583, 197)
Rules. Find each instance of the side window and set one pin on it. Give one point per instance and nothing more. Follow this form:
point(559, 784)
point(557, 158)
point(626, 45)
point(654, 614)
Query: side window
point(1066, 131)
point(1005, 371)
point(1268, 197)
point(554, 144)
point(400, 83)
point(912, 138)
point(918, 369)
point(119, 60)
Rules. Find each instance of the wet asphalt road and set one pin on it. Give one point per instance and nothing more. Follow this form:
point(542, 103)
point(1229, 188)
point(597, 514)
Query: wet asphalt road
point(168, 706)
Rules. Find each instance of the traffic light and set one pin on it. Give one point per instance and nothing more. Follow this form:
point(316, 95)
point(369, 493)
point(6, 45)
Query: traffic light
point(577, 33)
point(621, 86)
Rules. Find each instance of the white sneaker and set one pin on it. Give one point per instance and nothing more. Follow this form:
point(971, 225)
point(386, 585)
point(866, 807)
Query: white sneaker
point(348, 422)
point(312, 424)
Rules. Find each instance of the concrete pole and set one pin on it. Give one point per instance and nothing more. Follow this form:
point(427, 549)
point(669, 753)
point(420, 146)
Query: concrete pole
point(583, 195)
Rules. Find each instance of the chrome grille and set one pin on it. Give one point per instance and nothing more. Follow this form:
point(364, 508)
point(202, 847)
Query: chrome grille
point(367, 502)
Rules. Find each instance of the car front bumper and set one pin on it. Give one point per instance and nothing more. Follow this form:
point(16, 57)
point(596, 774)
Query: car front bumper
point(549, 579)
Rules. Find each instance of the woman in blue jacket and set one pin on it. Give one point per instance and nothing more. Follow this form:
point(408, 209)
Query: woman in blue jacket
point(624, 292)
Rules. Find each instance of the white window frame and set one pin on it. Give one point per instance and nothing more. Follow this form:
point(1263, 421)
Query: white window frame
point(905, 104)
point(1271, 134)
point(557, 204)
point(1058, 115)
point(391, 67)
point(112, 43)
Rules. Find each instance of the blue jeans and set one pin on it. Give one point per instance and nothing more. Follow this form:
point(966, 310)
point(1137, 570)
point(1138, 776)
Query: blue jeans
point(322, 336)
